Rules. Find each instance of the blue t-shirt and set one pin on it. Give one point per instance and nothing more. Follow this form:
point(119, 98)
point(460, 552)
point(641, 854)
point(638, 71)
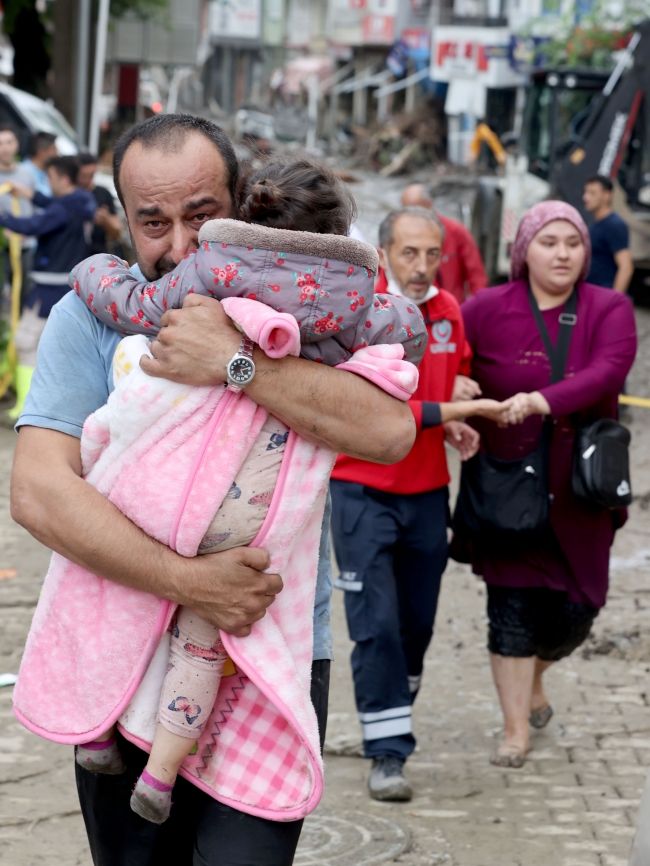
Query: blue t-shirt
point(608, 236)
point(73, 378)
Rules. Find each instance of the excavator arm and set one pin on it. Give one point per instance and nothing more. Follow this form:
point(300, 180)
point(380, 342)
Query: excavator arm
point(617, 114)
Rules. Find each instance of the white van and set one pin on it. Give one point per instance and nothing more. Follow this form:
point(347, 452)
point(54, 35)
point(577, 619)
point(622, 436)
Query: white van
point(28, 114)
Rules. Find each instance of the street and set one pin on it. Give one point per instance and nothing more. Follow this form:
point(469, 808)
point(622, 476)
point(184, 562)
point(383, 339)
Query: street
point(573, 804)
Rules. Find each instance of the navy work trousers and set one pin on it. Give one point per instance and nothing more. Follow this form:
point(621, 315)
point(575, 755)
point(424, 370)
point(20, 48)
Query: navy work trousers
point(391, 550)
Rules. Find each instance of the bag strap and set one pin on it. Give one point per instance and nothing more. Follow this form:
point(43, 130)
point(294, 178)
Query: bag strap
point(558, 354)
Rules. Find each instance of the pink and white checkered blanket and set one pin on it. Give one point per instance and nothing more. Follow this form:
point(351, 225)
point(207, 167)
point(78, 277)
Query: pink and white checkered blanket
point(166, 455)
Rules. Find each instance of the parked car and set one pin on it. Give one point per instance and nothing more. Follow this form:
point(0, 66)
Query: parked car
point(29, 114)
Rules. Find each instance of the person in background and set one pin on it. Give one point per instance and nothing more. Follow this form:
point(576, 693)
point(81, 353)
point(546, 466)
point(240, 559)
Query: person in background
point(63, 231)
point(611, 261)
point(108, 226)
point(15, 172)
point(42, 149)
point(389, 523)
point(542, 597)
point(461, 271)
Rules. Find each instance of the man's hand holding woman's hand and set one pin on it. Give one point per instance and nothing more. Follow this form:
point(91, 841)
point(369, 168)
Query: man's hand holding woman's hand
point(519, 407)
point(514, 410)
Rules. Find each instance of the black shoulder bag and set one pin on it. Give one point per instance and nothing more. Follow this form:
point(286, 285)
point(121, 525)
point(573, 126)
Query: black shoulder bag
point(505, 504)
point(601, 459)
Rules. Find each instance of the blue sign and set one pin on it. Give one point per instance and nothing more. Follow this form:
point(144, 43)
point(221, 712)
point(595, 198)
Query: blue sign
point(527, 52)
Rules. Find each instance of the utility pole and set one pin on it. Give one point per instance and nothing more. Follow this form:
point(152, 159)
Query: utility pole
point(81, 105)
point(98, 77)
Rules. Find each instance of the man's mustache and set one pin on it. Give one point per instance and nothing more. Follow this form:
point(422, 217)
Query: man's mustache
point(164, 265)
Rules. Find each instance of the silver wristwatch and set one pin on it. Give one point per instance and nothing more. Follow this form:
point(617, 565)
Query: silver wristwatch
point(241, 367)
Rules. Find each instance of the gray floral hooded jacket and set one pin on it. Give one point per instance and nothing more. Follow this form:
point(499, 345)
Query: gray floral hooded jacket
point(325, 281)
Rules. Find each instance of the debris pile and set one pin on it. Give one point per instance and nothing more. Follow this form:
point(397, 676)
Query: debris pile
point(409, 141)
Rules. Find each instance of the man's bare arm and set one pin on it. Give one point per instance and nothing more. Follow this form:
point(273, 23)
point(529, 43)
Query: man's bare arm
point(327, 406)
point(51, 500)
point(625, 270)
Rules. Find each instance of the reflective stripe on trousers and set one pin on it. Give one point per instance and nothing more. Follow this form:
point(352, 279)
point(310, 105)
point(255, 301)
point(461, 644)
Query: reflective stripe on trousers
point(386, 723)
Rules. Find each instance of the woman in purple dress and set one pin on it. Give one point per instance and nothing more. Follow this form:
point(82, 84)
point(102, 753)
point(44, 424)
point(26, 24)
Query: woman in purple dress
point(542, 602)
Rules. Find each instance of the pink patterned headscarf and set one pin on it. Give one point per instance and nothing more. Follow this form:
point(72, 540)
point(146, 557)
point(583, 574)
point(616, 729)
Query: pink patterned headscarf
point(537, 217)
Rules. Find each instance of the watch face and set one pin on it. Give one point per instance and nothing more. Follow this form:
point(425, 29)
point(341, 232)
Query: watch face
point(241, 371)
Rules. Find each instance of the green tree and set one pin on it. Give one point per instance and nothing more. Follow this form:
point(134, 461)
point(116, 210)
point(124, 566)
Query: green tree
point(591, 40)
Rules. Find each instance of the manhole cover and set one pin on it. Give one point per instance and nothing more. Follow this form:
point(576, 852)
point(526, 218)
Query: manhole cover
point(357, 840)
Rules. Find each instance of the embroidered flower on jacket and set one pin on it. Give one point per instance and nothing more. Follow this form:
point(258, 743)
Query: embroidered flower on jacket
point(382, 305)
point(330, 322)
point(139, 319)
point(310, 288)
point(112, 309)
point(355, 301)
point(408, 331)
point(107, 282)
point(227, 275)
point(149, 292)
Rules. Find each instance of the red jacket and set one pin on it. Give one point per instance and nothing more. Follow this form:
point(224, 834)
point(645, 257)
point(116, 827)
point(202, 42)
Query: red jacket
point(461, 271)
point(425, 466)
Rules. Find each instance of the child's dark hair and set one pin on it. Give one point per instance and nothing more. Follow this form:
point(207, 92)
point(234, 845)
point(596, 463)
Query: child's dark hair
point(301, 194)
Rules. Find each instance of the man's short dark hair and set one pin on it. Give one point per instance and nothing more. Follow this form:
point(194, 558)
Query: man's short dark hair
point(87, 158)
point(67, 166)
point(168, 132)
point(7, 127)
point(41, 141)
point(386, 229)
point(605, 182)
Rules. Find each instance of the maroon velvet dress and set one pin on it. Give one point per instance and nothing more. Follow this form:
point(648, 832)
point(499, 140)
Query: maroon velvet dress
point(509, 357)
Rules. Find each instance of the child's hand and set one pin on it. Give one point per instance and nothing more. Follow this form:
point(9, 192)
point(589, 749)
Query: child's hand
point(194, 344)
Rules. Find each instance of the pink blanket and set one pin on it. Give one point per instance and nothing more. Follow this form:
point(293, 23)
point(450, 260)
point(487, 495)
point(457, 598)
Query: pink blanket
point(166, 454)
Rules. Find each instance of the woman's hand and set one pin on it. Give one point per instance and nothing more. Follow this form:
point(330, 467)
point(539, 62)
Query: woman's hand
point(519, 407)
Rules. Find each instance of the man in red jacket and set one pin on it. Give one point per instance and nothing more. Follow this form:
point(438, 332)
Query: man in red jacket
point(389, 523)
point(461, 271)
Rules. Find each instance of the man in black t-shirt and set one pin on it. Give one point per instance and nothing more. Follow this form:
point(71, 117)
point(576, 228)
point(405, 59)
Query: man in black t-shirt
point(611, 261)
point(108, 226)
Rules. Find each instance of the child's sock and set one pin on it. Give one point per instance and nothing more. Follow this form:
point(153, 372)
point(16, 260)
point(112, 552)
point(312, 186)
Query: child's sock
point(101, 757)
point(151, 799)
